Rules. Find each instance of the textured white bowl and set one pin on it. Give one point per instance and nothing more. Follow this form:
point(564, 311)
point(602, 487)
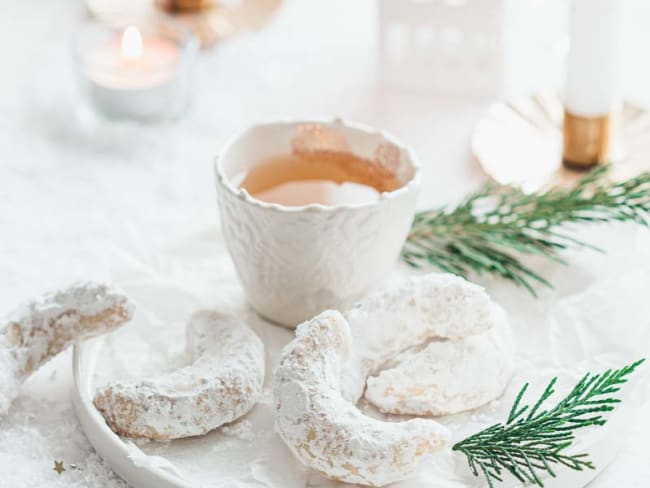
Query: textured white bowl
point(297, 261)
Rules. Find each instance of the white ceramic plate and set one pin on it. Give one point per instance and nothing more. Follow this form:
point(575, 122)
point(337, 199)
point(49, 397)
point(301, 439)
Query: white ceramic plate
point(553, 340)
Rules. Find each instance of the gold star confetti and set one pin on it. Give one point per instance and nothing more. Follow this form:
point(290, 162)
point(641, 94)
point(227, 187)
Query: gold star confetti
point(58, 467)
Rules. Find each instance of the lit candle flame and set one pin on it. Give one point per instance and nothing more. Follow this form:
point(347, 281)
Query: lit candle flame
point(131, 43)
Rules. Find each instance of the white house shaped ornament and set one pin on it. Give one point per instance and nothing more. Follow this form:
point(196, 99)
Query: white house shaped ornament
point(451, 47)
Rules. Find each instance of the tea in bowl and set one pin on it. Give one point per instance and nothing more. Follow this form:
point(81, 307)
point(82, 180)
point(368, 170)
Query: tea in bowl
point(314, 213)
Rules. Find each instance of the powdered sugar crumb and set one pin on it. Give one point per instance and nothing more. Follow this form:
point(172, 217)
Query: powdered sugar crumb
point(27, 453)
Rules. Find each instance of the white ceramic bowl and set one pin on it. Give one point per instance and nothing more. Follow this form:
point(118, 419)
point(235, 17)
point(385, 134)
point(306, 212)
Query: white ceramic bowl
point(295, 262)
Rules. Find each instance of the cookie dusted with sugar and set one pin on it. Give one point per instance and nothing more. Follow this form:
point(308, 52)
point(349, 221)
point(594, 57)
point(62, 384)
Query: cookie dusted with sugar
point(34, 333)
point(430, 345)
point(326, 431)
point(446, 376)
point(222, 384)
point(410, 314)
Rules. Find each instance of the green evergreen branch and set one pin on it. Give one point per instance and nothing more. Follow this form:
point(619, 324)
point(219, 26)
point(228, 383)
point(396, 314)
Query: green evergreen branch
point(534, 439)
point(489, 230)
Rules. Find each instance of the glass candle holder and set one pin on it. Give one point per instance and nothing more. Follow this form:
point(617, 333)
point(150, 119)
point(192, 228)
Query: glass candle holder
point(140, 70)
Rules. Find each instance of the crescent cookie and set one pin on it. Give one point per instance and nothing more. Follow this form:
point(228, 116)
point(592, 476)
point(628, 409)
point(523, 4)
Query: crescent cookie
point(326, 431)
point(447, 376)
point(411, 314)
point(222, 384)
point(397, 336)
point(36, 332)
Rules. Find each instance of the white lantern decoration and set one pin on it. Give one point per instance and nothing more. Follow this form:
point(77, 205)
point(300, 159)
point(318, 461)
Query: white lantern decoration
point(451, 47)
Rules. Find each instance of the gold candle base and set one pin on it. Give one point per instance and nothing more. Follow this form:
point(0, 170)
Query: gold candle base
point(587, 140)
point(173, 6)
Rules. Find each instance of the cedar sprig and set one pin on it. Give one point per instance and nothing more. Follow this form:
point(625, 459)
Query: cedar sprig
point(534, 439)
point(492, 228)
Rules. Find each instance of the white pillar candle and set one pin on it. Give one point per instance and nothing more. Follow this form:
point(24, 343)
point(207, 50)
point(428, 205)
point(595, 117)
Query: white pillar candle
point(594, 57)
point(592, 82)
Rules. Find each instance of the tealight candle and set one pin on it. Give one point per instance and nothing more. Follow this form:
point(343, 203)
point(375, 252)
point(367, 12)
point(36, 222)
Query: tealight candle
point(140, 72)
point(592, 81)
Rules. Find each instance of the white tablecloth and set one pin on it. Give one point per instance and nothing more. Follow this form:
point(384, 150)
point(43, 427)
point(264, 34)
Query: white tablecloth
point(74, 197)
